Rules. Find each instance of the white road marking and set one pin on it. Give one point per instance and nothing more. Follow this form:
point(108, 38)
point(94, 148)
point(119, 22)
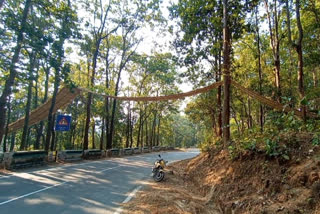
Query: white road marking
point(110, 168)
point(55, 168)
point(71, 166)
point(41, 190)
point(130, 196)
point(31, 193)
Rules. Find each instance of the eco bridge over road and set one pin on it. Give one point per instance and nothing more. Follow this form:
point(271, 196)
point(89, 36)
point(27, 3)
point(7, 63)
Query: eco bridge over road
point(66, 95)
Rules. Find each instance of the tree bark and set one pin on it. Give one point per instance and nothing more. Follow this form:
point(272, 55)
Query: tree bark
point(7, 127)
point(28, 104)
point(13, 73)
point(226, 73)
point(218, 78)
point(250, 123)
point(147, 138)
point(98, 36)
point(158, 132)
point(53, 133)
point(89, 99)
point(298, 48)
point(53, 102)
point(45, 98)
point(300, 61)
point(153, 130)
point(13, 141)
point(128, 126)
point(275, 45)
point(93, 134)
point(102, 134)
point(261, 113)
point(131, 130)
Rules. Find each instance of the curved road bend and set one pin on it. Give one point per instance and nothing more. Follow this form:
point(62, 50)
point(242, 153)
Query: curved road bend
point(88, 187)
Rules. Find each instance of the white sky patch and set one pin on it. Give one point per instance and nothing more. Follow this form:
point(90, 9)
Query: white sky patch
point(154, 40)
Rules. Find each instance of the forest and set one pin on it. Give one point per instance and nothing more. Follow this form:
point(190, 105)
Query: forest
point(270, 47)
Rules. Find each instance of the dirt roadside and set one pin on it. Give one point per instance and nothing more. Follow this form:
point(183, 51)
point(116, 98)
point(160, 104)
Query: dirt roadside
point(253, 183)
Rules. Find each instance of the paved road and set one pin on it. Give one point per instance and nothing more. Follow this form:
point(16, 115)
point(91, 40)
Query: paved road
point(87, 187)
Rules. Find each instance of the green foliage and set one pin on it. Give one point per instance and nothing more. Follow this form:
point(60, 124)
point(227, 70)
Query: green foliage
point(316, 139)
point(54, 34)
point(272, 147)
point(210, 143)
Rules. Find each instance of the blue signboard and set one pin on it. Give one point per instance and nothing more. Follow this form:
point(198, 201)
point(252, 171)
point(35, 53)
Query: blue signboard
point(63, 123)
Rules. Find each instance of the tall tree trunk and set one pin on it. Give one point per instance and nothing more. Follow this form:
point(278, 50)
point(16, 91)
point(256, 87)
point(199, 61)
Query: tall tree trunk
point(124, 60)
point(300, 60)
point(87, 123)
point(89, 99)
point(28, 104)
point(215, 128)
point(114, 105)
point(218, 78)
point(98, 36)
point(275, 45)
point(102, 134)
point(226, 73)
point(131, 130)
point(74, 136)
point(153, 130)
point(147, 138)
point(35, 105)
point(292, 66)
point(298, 48)
point(7, 127)
point(53, 133)
point(138, 134)
point(219, 103)
point(57, 64)
point(250, 123)
point(128, 126)
point(13, 72)
point(107, 103)
point(261, 121)
point(50, 115)
point(46, 87)
point(93, 134)
point(158, 131)
point(13, 141)
point(71, 134)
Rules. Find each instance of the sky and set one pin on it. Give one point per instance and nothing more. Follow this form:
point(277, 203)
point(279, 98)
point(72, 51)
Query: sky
point(153, 40)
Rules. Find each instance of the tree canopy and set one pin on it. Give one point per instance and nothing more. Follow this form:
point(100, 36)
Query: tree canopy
point(268, 46)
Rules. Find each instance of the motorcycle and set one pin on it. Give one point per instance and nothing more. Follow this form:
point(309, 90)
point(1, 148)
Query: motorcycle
point(158, 169)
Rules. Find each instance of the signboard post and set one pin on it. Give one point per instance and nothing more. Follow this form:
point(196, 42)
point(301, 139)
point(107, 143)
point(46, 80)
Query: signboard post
point(63, 123)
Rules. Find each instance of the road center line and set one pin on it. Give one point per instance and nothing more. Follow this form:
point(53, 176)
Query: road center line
point(41, 190)
point(110, 168)
point(130, 196)
point(72, 166)
point(31, 193)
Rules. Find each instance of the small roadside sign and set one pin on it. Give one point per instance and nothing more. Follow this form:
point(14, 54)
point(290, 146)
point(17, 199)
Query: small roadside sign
point(63, 123)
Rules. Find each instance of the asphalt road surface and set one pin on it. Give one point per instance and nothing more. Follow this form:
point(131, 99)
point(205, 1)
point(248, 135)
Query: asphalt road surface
point(80, 188)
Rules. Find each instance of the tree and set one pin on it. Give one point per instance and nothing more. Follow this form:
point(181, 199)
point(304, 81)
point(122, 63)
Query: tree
point(13, 70)
point(274, 18)
point(298, 47)
point(56, 61)
point(98, 34)
point(226, 74)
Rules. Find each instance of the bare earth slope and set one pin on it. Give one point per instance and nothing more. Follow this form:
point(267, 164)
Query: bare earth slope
point(253, 183)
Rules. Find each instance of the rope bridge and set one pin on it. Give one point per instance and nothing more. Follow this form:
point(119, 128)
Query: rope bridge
point(65, 96)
